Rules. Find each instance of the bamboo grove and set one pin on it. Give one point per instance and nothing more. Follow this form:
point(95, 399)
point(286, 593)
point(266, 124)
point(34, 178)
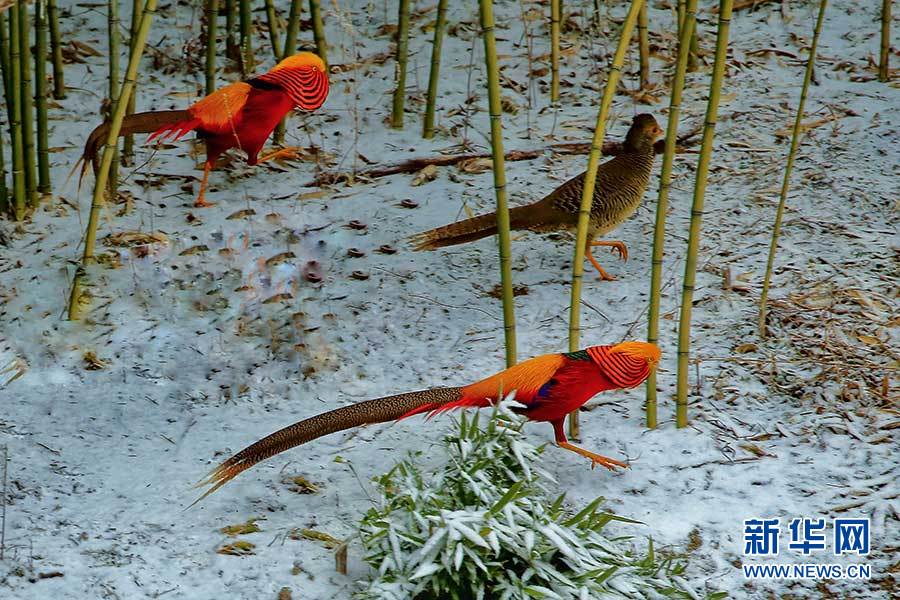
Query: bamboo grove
point(32, 61)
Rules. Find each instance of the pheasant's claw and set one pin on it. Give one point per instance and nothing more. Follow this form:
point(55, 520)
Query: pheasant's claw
point(201, 202)
point(287, 153)
point(596, 459)
point(615, 246)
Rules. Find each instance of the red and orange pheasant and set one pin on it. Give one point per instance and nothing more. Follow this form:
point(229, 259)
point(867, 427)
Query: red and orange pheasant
point(548, 387)
point(241, 115)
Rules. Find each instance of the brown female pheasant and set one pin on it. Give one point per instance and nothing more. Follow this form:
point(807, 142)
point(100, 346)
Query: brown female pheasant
point(621, 183)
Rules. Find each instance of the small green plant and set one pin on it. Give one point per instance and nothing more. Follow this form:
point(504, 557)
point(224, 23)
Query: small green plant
point(483, 525)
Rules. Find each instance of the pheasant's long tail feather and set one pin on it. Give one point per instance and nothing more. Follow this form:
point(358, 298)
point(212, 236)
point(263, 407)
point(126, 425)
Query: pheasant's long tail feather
point(460, 232)
point(379, 410)
point(146, 122)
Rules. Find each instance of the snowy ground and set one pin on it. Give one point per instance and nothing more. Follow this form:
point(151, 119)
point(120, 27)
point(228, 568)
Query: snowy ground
point(187, 353)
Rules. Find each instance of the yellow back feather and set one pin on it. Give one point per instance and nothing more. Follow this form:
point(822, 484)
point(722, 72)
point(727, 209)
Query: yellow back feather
point(526, 377)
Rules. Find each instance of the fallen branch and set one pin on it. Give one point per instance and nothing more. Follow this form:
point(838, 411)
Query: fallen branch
point(416, 164)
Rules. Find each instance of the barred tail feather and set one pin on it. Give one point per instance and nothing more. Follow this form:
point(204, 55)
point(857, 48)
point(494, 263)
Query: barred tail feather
point(380, 410)
point(460, 232)
point(145, 122)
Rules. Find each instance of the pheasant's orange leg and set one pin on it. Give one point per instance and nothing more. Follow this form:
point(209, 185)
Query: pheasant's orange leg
point(288, 152)
point(604, 276)
point(617, 246)
point(596, 459)
point(201, 202)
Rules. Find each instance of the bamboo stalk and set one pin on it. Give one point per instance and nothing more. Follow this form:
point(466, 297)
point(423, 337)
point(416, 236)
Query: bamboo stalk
point(212, 16)
point(694, 56)
point(59, 84)
point(662, 205)
point(590, 179)
point(290, 46)
point(644, 46)
point(555, 10)
point(883, 62)
point(231, 49)
point(690, 266)
point(4, 67)
point(785, 184)
point(499, 168)
point(272, 22)
point(248, 63)
point(27, 100)
point(5, 64)
point(434, 75)
point(115, 125)
point(4, 57)
point(315, 15)
point(113, 45)
point(14, 103)
point(128, 143)
point(40, 75)
point(4, 190)
point(402, 52)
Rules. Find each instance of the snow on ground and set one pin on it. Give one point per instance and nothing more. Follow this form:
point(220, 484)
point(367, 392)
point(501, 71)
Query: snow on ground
point(181, 360)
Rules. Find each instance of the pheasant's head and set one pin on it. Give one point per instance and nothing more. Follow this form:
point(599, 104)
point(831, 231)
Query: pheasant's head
point(643, 133)
point(303, 78)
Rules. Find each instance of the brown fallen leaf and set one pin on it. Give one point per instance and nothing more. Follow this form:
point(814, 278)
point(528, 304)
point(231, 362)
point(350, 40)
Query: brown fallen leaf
point(426, 174)
point(238, 548)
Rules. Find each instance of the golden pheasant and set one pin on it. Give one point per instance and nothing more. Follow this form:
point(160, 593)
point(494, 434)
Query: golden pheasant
point(241, 115)
point(547, 387)
point(621, 183)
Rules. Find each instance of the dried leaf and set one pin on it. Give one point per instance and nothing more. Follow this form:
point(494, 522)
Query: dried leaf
point(476, 165)
point(745, 348)
point(128, 239)
point(330, 542)
point(241, 528)
point(429, 173)
point(238, 548)
point(247, 212)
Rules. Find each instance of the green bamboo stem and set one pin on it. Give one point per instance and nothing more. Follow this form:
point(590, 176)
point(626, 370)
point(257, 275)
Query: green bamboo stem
point(590, 179)
point(212, 17)
point(644, 46)
point(402, 53)
point(128, 142)
point(555, 9)
point(694, 56)
point(248, 62)
point(290, 46)
point(499, 167)
point(272, 22)
point(315, 15)
point(690, 266)
point(5, 64)
point(40, 75)
point(883, 62)
point(785, 184)
point(113, 39)
point(231, 49)
point(4, 191)
point(115, 125)
point(15, 123)
point(434, 75)
point(4, 59)
point(59, 83)
point(662, 205)
point(27, 99)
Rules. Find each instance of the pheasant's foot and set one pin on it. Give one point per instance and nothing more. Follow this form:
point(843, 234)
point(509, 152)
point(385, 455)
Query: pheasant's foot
point(604, 276)
point(287, 153)
point(201, 202)
point(596, 459)
point(615, 246)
